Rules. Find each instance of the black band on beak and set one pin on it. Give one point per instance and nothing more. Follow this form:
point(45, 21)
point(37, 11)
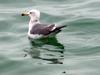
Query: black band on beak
point(22, 14)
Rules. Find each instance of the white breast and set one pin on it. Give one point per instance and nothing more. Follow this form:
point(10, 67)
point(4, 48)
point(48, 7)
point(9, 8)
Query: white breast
point(35, 36)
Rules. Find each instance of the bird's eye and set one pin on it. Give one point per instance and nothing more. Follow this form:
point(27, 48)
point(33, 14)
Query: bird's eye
point(30, 12)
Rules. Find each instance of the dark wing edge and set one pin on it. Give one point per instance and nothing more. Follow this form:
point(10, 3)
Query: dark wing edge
point(58, 29)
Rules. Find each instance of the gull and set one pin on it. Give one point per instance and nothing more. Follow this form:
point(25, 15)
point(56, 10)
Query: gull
point(38, 30)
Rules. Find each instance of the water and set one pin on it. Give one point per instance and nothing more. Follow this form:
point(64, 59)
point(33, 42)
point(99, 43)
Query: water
point(74, 51)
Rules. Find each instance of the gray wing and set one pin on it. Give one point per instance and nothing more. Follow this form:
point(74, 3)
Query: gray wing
point(42, 29)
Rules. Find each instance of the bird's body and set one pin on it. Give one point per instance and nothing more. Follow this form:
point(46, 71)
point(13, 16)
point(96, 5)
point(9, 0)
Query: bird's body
point(38, 30)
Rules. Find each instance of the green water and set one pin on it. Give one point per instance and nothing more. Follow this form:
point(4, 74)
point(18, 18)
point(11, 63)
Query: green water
point(74, 51)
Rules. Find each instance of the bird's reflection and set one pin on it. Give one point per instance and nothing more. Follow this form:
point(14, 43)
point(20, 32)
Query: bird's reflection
point(48, 49)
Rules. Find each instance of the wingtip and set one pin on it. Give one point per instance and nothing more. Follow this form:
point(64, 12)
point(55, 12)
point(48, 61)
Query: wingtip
point(62, 26)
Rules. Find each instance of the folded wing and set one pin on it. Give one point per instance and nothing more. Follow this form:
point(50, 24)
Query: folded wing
point(42, 29)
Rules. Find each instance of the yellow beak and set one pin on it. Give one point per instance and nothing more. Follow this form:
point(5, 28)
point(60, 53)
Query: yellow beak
point(25, 13)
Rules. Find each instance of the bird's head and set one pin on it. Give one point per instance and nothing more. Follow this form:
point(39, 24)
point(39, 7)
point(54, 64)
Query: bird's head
point(33, 14)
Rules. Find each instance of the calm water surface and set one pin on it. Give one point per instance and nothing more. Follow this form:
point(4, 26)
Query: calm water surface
point(74, 51)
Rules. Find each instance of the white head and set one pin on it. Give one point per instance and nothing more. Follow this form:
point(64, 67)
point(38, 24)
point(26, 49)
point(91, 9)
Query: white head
point(33, 14)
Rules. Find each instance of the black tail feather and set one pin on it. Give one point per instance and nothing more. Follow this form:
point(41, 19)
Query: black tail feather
point(59, 27)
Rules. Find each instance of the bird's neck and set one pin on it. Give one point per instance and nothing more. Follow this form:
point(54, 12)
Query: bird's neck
point(34, 20)
point(32, 23)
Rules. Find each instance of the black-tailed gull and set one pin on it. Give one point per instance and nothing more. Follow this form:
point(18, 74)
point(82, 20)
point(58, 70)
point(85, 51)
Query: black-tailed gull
point(37, 29)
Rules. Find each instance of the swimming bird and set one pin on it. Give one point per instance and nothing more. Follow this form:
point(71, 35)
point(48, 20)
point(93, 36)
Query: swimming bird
point(38, 30)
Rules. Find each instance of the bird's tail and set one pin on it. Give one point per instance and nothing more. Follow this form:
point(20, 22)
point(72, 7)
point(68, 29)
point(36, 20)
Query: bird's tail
point(57, 30)
point(59, 27)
